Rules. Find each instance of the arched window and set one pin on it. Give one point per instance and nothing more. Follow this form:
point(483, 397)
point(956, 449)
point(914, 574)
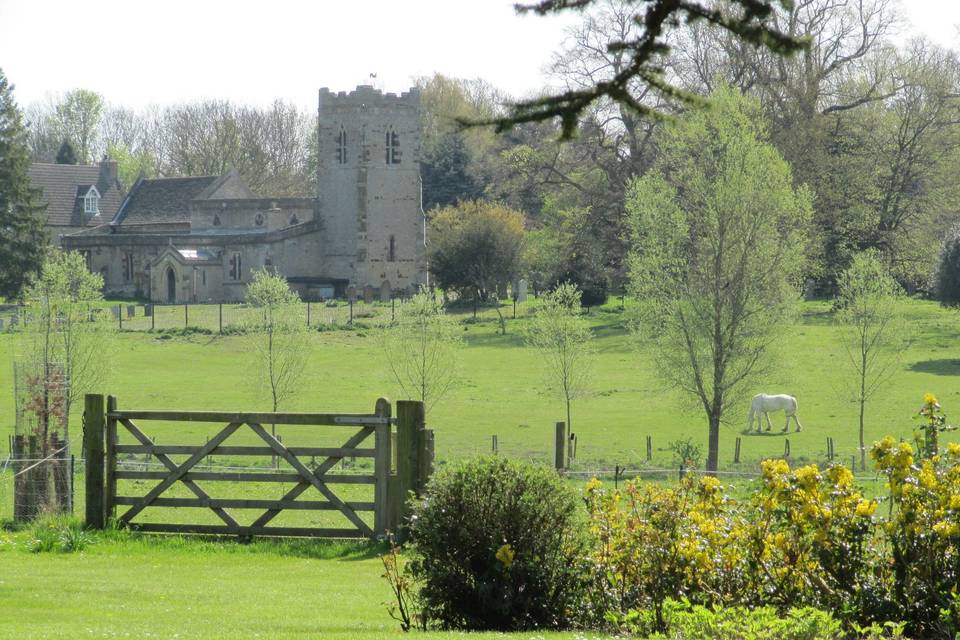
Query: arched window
point(392, 146)
point(342, 147)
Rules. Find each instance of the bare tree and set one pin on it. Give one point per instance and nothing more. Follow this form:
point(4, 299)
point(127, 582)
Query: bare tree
point(421, 348)
point(277, 335)
point(562, 336)
point(873, 329)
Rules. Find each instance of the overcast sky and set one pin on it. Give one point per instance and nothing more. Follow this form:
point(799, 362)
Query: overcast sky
point(139, 52)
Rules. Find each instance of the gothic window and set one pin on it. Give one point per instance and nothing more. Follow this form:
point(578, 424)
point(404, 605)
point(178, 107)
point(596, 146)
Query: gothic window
point(216, 220)
point(342, 147)
point(392, 255)
point(87, 259)
point(91, 202)
point(127, 266)
point(392, 146)
point(236, 272)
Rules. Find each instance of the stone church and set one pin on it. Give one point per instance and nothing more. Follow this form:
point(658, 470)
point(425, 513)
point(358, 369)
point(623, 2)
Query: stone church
point(198, 239)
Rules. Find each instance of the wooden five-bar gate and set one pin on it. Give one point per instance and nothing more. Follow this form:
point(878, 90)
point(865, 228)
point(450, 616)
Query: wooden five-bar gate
point(309, 469)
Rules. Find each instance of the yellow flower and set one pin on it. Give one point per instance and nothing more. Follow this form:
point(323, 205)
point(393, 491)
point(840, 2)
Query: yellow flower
point(505, 555)
point(953, 449)
point(929, 398)
point(594, 484)
point(866, 508)
point(709, 484)
point(946, 529)
point(840, 475)
point(808, 476)
point(955, 502)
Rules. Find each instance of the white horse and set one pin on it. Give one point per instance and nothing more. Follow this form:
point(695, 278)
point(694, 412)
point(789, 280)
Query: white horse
point(763, 404)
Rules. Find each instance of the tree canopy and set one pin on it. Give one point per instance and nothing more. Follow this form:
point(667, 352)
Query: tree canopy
point(476, 247)
point(718, 250)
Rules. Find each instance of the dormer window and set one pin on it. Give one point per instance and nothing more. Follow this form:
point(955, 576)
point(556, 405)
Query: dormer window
point(91, 202)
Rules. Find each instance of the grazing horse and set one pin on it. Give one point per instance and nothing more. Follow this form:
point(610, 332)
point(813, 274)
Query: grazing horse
point(763, 404)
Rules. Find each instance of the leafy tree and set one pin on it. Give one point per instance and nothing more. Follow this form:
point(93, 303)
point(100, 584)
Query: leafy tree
point(22, 236)
point(562, 336)
point(421, 348)
point(475, 247)
point(77, 117)
point(644, 53)
point(131, 165)
point(278, 335)
point(66, 154)
point(63, 328)
point(873, 329)
point(718, 236)
point(946, 276)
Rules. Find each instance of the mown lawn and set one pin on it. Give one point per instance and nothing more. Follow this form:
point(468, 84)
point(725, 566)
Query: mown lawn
point(131, 587)
point(501, 389)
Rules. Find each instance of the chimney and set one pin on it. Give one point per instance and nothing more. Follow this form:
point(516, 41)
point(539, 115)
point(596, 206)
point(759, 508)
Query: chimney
point(109, 176)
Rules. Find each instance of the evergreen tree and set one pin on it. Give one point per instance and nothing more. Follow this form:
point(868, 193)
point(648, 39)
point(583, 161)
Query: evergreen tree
point(22, 236)
point(66, 154)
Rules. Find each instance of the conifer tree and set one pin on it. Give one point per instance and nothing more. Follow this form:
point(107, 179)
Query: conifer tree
point(22, 236)
point(66, 154)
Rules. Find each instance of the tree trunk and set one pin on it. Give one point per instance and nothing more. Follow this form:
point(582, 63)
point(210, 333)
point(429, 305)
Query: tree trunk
point(713, 443)
point(863, 450)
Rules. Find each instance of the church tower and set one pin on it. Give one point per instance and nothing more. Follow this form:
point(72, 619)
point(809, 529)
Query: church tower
point(369, 190)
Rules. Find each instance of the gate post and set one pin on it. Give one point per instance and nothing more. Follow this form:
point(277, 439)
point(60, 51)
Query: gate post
point(93, 432)
point(110, 461)
point(411, 441)
point(381, 488)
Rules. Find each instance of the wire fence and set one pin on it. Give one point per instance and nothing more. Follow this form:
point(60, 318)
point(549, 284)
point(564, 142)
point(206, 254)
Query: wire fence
point(227, 318)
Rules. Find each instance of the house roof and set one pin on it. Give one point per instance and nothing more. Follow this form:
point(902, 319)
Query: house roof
point(168, 199)
point(64, 186)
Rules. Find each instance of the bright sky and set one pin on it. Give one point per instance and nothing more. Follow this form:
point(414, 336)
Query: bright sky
point(137, 52)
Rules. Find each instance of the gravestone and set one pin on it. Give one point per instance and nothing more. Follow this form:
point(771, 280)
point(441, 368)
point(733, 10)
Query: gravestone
point(131, 310)
point(13, 321)
point(116, 312)
point(522, 290)
point(1, 324)
point(385, 291)
point(368, 294)
point(352, 293)
point(147, 310)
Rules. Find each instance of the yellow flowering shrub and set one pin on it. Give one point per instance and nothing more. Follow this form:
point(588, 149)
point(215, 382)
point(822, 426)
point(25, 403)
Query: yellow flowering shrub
point(923, 532)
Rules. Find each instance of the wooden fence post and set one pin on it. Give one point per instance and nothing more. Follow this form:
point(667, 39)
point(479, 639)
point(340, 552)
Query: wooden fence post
point(736, 452)
point(221, 318)
point(382, 480)
point(110, 461)
point(559, 446)
point(93, 431)
point(649, 448)
point(410, 451)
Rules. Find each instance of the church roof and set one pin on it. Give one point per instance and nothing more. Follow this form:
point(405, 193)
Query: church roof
point(65, 185)
point(168, 199)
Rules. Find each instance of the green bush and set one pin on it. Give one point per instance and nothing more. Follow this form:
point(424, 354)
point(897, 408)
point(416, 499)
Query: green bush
point(741, 623)
point(498, 546)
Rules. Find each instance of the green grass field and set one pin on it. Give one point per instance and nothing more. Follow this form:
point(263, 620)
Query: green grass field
point(130, 586)
point(155, 587)
point(501, 389)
